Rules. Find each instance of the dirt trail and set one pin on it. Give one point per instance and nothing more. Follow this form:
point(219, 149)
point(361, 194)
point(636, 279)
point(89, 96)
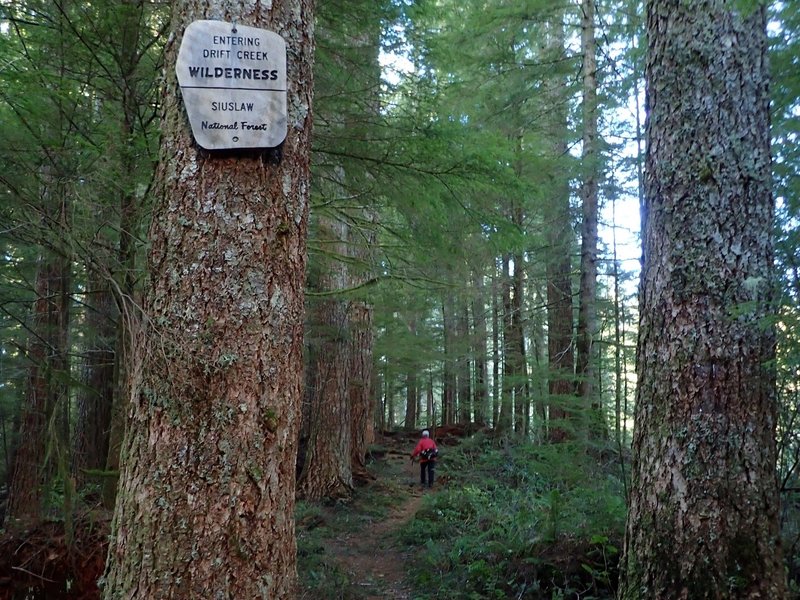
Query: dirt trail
point(369, 553)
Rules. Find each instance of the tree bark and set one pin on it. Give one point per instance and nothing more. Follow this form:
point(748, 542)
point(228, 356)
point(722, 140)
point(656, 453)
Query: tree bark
point(505, 422)
point(515, 351)
point(412, 391)
point(412, 397)
point(132, 33)
point(97, 396)
point(326, 469)
point(45, 390)
point(497, 389)
point(703, 518)
point(449, 379)
point(206, 496)
point(480, 352)
point(361, 387)
point(560, 327)
point(463, 364)
point(587, 318)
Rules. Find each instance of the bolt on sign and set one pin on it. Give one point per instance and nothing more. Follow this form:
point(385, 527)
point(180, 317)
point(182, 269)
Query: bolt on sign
point(233, 82)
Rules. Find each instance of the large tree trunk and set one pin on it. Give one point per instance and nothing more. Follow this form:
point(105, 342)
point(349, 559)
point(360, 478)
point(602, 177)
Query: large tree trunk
point(206, 496)
point(703, 518)
point(326, 468)
point(361, 385)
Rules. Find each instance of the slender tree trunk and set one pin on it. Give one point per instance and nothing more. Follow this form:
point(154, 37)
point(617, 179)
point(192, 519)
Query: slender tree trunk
point(412, 397)
point(412, 393)
point(360, 387)
point(131, 27)
point(538, 383)
point(496, 383)
point(32, 473)
point(463, 366)
point(388, 394)
point(510, 374)
point(618, 339)
point(380, 387)
point(587, 318)
point(517, 345)
point(206, 497)
point(560, 341)
point(479, 346)
point(450, 379)
point(97, 395)
point(703, 517)
point(430, 405)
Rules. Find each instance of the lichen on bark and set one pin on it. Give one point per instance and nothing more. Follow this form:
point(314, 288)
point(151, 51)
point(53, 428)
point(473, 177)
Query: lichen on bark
point(704, 439)
point(206, 497)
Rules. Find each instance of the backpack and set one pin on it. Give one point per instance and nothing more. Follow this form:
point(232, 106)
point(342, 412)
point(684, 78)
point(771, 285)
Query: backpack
point(429, 454)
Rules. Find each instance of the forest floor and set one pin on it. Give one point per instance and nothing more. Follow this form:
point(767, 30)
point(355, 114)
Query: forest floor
point(347, 549)
point(350, 550)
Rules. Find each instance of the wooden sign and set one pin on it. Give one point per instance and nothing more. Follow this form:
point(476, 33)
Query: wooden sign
point(233, 82)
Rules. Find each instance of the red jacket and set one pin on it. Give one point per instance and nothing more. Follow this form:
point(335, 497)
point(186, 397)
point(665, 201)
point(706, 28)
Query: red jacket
point(425, 443)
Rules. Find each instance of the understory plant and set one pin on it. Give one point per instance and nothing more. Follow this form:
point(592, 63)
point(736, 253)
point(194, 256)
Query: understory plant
point(519, 520)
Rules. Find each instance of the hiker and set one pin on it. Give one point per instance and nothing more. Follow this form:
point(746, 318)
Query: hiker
point(427, 451)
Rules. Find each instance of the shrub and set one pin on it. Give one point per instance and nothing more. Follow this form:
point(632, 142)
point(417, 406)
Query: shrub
point(518, 521)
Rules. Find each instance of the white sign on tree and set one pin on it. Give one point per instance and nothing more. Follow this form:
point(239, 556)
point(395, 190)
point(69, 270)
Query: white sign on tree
point(233, 82)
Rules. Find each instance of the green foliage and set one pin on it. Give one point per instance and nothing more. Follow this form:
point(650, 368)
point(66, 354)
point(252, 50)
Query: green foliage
point(518, 521)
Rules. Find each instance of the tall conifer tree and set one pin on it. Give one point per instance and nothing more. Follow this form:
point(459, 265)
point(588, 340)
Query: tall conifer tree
point(703, 517)
point(206, 496)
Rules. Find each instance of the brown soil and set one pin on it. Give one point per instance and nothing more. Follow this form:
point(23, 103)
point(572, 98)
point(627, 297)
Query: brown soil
point(369, 556)
point(364, 550)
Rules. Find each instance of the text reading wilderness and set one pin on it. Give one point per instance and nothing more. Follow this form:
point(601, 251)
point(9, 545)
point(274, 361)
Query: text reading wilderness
point(224, 68)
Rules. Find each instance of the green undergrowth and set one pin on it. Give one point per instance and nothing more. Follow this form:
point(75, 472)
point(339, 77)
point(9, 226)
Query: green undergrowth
point(518, 521)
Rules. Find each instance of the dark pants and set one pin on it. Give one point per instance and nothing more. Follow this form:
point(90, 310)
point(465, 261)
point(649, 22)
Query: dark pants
point(426, 466)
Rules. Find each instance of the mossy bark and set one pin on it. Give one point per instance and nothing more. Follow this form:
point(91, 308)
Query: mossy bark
point(703, 517)
point(206, 496)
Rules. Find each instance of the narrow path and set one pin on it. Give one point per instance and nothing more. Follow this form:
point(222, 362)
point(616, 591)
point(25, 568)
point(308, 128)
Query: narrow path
point(369, 553)
point(372, 560)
